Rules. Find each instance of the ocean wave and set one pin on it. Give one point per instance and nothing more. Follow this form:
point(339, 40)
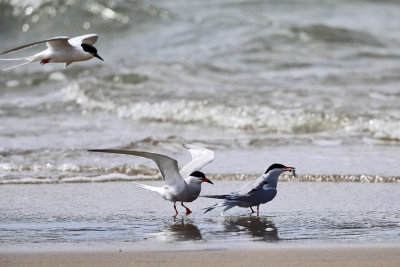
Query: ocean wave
point(197, 111)
point(331, 34)
point(112, 177)
point(65, 10)
point(12, 173)
point(72, 169)
point(260, 118)
point(377, 55)
point(120, 177)
point(76, 16)
point(363, 178)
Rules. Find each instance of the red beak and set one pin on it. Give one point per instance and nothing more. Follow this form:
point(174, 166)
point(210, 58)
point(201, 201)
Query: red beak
point(206, 180)
point(288, 169)
point(291, 169)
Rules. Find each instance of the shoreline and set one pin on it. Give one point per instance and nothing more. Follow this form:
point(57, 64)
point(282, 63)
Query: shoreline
point(276, 255)
point(115, 178)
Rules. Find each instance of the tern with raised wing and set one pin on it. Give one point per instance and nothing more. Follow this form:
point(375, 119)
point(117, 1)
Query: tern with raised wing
point(254, 193)
point(60, 50)
point(179, 186)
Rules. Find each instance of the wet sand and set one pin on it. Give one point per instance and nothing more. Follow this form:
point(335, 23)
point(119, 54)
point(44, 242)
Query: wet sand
point(273, 256)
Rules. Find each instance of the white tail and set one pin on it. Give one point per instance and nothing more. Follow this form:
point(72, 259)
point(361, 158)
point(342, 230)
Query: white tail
point(159, 190)
point(13, 59)
point(13, 67)
point(29, 59)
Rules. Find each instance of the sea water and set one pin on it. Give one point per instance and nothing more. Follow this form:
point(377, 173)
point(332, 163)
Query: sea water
point(120, 212)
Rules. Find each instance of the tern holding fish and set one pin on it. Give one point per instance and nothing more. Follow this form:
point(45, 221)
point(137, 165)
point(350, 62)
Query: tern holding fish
point(60, 50)
point(254, 193)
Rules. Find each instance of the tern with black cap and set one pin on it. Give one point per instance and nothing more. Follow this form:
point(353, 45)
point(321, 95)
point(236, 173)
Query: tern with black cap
point(179, 185)
point(59, 50)
point(254, 193)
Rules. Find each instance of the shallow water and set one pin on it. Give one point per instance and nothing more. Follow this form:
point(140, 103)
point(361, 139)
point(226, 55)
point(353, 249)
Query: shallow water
point(100, 213)
point(312, 85)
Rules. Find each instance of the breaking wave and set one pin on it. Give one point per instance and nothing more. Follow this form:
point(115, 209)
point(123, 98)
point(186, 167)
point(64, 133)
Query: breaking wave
point(257, 118)
point(240, 75)
point(149, 174)
point(329, 34)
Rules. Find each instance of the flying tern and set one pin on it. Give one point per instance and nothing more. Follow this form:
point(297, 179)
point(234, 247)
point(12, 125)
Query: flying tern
point(181, 186)
point(60, 50)
point(254, 193)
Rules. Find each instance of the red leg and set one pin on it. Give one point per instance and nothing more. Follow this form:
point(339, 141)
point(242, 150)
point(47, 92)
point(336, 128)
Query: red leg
point(175, 209)
point(45, 60)
point(258, 210)
point(188, 211)
point(252, 211)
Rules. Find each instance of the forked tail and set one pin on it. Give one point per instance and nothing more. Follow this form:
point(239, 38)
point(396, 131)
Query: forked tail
point(210, 208)
point(228, 204)
point(28, 59)
point(159, 190)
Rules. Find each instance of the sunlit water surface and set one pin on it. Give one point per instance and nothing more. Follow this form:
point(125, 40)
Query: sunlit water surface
point(119, 212)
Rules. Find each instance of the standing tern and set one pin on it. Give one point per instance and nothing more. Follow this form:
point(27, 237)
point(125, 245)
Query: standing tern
point(254, 193)
point(60, 50)
point(181, 186)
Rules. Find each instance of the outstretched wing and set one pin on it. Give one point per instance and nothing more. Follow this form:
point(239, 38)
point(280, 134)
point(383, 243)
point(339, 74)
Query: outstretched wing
point(200, 157)
point(168, 166)
point(61, 39)
point(58, 43)
point(84, 39)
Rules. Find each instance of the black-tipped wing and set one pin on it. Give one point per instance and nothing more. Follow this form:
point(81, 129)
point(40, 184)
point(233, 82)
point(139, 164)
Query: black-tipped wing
point(216, 196)
point(62, 40)
point(168, 166)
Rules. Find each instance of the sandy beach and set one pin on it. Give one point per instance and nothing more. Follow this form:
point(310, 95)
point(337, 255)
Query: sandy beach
point(273, 256)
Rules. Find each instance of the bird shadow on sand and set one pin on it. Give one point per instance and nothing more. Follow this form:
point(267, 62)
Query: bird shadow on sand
point(181, 231)
point(257, 227)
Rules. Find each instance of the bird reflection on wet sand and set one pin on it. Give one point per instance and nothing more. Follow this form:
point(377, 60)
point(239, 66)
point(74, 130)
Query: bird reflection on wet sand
point(180, 231)
point(257, 227)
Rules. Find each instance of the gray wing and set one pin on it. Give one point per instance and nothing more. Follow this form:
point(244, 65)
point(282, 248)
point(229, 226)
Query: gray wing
point(84, 39)
point(57, 40)
point(168, 166)
point(200, 157)
point(58, 43)
point(243, 192)
point(251, 186)
point(253, 192)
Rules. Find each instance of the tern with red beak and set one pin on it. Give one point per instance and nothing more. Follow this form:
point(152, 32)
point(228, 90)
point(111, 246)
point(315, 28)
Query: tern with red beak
point(254, 193)
point(179, 186)
point(60, 50)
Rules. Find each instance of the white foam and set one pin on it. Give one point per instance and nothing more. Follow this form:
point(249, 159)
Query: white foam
point(254, 117)
point(119, 177)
